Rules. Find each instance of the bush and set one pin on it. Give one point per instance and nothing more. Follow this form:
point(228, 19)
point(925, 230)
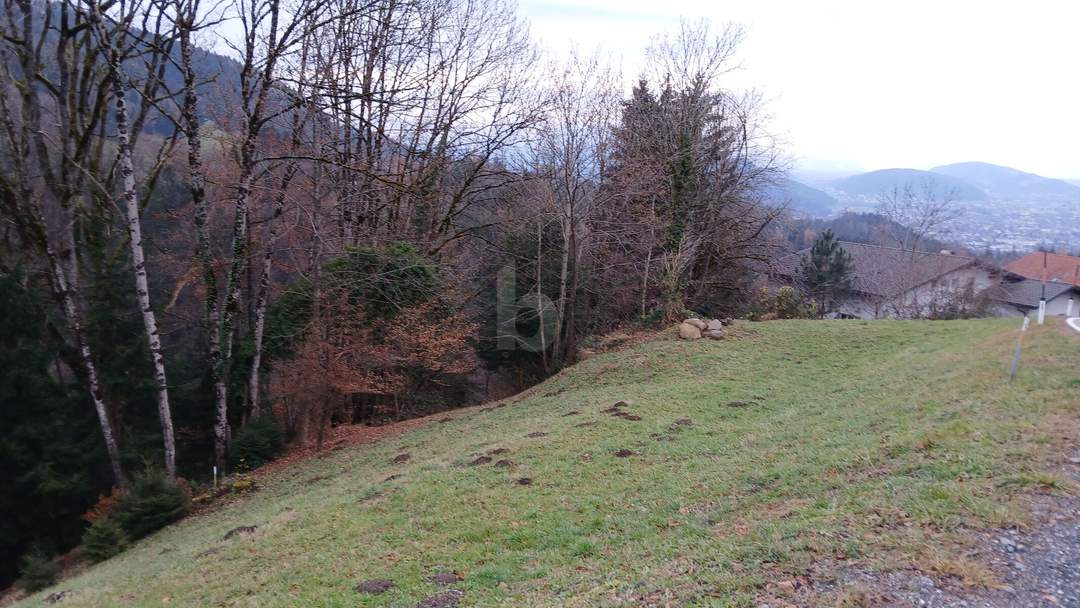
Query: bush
point(103, 539)
point(37, 571)
point(152, 502)
point(785, 304)
point(261, 441)
point(379, 280)
point(789, 304)
point(104, 505)
point(243, 484)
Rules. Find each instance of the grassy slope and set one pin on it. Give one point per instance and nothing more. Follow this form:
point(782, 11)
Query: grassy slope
point(852, 429)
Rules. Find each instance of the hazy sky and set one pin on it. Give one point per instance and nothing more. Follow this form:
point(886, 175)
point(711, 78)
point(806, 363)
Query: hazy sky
point(860, 85)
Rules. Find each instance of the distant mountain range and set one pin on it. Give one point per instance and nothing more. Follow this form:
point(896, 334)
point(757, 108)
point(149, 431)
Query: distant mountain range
point(801, 198)
point(969, 181)
point(874, 183)
point(1007, 183)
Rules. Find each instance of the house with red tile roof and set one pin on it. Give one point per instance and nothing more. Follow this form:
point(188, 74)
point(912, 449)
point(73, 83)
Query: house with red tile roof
point(891, 282)
point(1018, 297)
point(1059, 268)
point(1023, 284)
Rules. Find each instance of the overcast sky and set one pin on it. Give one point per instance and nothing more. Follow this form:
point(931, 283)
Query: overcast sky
point(859, 85)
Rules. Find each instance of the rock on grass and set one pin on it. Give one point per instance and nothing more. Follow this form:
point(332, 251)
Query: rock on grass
point(375, 586)
point(446, 599)
point(443, 579)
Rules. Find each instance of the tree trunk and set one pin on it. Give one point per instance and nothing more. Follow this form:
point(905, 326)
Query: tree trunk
point(138, 258)
point(222, 432)
point(232, 302)
point(648, 256)
point(203, 255)
point(254, 376)
point(253, 100)
point(539, 294)
point(564, 272)
point(67, 300)
point(129, 194)
point(569, 319)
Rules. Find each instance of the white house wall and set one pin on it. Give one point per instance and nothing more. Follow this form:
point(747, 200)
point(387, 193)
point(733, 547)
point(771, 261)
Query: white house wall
point(1058, 305)
point(920, 298)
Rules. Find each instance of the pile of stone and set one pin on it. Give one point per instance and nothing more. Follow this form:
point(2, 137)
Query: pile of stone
point(692, 329)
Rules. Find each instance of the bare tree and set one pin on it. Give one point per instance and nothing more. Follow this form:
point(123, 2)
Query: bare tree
point(117, 36)
point(428, 97)
point(66, 60)
point(300, 123)
point(271, 33)
point(920, 210)
point(568, 157)
point(187, 15)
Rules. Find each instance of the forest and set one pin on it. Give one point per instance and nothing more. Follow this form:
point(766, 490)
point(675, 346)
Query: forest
point(227, 226)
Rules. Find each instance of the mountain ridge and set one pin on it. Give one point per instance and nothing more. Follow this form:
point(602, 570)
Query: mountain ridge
point(801, 198)
point(875, 183)
point(1000, 181)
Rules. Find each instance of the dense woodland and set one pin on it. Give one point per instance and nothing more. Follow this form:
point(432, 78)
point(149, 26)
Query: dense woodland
point(351, 211)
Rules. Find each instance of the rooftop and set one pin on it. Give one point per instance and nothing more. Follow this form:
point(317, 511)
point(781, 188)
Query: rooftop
point(1027, 292)
point(888, 271)
point(1059, 267)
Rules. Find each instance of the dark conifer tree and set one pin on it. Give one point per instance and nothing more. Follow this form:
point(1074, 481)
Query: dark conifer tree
point(827, 272)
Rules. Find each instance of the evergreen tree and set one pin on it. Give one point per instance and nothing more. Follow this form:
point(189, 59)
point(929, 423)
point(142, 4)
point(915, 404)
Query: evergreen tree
point(52, 458)
point(827, 273)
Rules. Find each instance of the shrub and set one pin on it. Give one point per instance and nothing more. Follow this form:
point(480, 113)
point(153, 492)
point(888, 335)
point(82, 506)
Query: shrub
point(785, 304)
point(789, 304)
point(655, 318)
point(259, 442)
point(380, 281)
point(151, 503)
point(104, 505)
point(243, 484)
point(37, 571)
point(103, 539)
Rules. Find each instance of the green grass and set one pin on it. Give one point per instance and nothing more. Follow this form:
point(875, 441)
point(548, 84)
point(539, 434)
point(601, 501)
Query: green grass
point(856, 439)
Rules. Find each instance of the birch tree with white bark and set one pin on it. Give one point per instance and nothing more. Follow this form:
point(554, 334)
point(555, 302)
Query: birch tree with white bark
point(118, 35)
point(63, 62)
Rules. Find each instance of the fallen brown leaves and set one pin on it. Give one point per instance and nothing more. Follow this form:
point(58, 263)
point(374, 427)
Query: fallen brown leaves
point(340, 437)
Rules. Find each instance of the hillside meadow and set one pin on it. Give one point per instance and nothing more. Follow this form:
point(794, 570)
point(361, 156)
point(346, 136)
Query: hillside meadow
point(730, 467)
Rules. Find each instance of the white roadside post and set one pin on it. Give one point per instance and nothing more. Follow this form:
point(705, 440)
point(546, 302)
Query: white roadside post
point(1075, 284)
point(1016, 354)
point(1042, 298)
